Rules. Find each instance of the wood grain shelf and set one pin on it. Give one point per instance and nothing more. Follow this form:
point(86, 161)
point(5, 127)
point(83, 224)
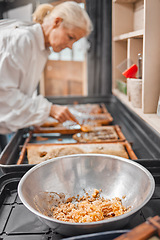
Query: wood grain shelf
point(152, 119)
point(125, 1)
point(136, 30)
point(125, 36)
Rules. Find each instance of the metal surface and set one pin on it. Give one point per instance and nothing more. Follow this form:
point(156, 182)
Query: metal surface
point(71, 174)
point(109, 235)
point(144, 139)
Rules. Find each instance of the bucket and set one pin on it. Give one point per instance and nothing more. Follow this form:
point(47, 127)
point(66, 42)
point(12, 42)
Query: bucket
point(134, 91)
point(128, 89)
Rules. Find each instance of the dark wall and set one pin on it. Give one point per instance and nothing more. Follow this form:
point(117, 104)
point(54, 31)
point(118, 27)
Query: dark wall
point(100, 52)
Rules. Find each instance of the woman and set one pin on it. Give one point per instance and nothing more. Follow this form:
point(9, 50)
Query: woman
point(24, 49)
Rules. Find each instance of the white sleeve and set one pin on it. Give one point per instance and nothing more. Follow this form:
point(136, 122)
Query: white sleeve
point(18, 110)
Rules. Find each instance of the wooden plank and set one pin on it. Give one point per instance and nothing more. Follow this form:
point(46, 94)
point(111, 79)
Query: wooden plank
point(134, 34)
point(125, 1)
point(138, 16)
point(130, 151)
point(142, 232)
point(152, 119)
point(122, 18)
point(64, 70)
point(135, 46)
point(151, 54)
point(23, 151)
point(63, 78)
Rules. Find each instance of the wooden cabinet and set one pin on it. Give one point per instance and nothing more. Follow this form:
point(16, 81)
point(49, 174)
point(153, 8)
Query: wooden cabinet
point(136, 29)
point(63, 78)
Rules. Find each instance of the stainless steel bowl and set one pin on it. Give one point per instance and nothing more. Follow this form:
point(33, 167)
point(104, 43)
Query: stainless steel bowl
point(116, 177)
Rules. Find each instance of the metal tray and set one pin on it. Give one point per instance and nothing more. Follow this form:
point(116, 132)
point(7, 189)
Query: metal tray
point(110, 235)
point(145, 141)
point(44, 139)
point(103, 118)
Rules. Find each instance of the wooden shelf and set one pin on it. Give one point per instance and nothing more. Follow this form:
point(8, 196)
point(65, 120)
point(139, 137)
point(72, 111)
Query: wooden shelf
point(152, 119)
point(125, 1)
point(125, 36)
point(135, 30)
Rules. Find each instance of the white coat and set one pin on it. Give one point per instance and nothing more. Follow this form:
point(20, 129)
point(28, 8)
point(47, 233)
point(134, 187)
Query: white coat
point(22, 60)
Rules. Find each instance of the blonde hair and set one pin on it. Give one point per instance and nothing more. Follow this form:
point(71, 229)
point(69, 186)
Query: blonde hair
point(41, 12)
point(70, 12)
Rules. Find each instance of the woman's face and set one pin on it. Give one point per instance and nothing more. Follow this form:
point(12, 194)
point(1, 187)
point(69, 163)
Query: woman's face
point(61, 37)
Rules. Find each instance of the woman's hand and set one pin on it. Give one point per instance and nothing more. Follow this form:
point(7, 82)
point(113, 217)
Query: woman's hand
point(61, 113)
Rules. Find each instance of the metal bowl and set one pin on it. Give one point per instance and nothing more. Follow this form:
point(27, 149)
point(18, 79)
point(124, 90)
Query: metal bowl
point(72, 174)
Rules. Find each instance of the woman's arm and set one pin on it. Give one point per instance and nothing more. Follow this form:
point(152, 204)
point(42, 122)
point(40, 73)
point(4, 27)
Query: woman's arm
point(17, 110)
